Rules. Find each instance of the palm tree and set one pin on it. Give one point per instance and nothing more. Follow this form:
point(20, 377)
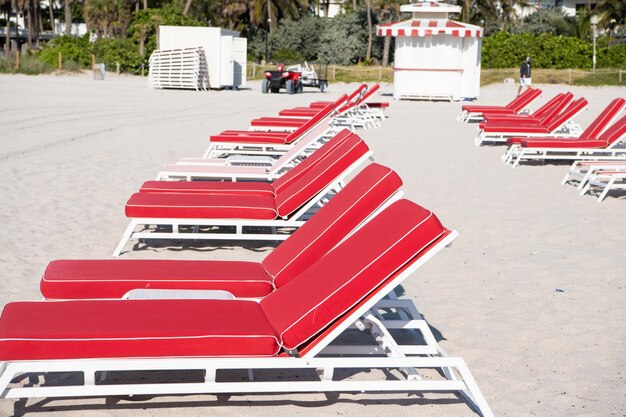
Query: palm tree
point(370, 29)
point(51, 10)
point(107, 17)
point(7, 7)
point(68, 16)
point(388, 11)
point(270, 11)
point(612, 13)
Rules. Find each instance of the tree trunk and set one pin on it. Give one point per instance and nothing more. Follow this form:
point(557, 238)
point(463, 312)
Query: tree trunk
point(68, 17)
point(386, 50)
point(465, 12)
point(187, 6)
point(29, 25)
point(368, 9)
point(145, 4)
point(52, 16)
point(7, 36)
point(354, 5)
point(326, 7)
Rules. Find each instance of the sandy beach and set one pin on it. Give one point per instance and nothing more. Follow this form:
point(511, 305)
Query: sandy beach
point(531, 294)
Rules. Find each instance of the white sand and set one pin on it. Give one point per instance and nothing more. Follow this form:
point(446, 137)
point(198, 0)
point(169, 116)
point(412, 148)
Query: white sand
point(72, 150)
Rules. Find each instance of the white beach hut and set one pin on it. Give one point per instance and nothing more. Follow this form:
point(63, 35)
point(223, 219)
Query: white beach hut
point(435, 57)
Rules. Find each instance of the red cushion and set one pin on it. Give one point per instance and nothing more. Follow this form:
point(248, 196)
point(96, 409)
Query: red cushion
point(73, 279)
point(482, 109)
point(561, 143)
point(512, 128)
point(510, 118)
point(604, 118)
point(249, 139)
point(279, 121)
point(378, 105)
point(200, 206)
point(208, 187)
point(253, 133)
point(295, 195)
point(320, 117)
point(214, 171)
point(320, 104)
point(315, 158)
point(298, 112)
point(615, 132)
point(137, 328)
point(112, 278)
point(519, 139)
point(315, 298)
point(343, 213)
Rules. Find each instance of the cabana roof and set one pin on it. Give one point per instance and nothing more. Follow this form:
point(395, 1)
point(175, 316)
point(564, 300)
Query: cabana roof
point(429, 27)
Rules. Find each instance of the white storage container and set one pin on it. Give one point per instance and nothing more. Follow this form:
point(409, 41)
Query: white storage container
point(225, 51)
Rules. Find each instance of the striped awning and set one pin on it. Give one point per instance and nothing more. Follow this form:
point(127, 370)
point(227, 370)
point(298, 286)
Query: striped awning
point(429, 27)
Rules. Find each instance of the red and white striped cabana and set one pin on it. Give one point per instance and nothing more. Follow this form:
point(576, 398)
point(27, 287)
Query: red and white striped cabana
point(435, 58)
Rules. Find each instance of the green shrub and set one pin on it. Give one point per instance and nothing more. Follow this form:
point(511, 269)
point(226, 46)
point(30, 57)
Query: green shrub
point(506, 50)
point(344, 41)
point(112, 51)
point(287, 56)
point(71, 48)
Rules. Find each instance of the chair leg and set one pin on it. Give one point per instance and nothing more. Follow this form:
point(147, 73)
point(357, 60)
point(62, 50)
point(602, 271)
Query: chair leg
point(607, 188)
point(125, 238)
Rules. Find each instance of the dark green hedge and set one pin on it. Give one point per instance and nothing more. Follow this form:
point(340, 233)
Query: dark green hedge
point(507, 50)
point(76, 53)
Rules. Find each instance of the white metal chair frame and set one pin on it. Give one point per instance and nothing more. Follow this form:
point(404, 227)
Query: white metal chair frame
point(455, 376)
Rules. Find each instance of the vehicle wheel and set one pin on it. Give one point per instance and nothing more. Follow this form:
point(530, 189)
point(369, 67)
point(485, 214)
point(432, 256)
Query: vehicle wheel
point(289, 86)
point(264, 88)
point(323, 86)
point(299, 87)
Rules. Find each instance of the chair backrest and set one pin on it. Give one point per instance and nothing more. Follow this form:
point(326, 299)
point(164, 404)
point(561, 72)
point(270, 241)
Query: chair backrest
point(614, 133)
point(361, 197)
point(322, 115)
point(358, 100)
point(523, 100)
point(368, 94)
point(308, 163)
point(558, 106)
point(352, 98)
point(290, 198)
point(604, 119)
point(351, 272)
point(545, 110)
point(566, 115)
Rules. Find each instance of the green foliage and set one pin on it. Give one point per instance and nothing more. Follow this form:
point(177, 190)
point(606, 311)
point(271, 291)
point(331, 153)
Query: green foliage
point(600, 78)
point(301, 37)
point(344, 41)
point(76, 53)
point(144, 25)
point(506, 50)
point(341, 40)
point(71, 48)
point(107, 17)
point(547, 21)
point(117, 50)
point(287, 56)
point(29, 65)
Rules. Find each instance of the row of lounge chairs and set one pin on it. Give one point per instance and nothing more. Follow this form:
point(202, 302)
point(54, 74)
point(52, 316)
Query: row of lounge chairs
point(549, 134)
point(335, 275)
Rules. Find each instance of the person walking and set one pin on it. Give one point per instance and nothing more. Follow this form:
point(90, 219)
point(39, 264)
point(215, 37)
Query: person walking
point(524, 75)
